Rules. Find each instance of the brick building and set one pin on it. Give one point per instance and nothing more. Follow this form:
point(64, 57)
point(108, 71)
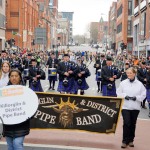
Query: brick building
point(2, 24)
point(22, 19)
point(141, 27)
point(103, 32)
point(112, 25)
point(124, 24)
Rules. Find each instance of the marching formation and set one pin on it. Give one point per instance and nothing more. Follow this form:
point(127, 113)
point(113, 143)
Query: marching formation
point(71, 71)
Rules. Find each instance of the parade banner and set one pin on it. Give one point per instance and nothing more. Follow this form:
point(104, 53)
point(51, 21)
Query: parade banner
point(17, 104)
point(94, 114)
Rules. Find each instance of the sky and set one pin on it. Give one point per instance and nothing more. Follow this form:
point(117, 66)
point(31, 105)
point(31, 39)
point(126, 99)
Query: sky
point(85, 11)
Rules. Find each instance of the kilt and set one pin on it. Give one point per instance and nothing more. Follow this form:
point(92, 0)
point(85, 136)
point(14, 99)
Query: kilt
point(53, 78)
point(148, 94)
point(37, 88)
point(106, 92)
point(83, 86)
point(71, 88)
point(98, 79)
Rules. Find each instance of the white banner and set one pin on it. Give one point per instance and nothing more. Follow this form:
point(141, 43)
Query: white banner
point(17, 104)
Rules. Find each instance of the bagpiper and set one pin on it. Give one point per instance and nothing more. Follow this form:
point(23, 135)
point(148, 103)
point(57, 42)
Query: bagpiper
point(82, 74)
point(109, 74)
point(35, 75)
point(66, 70)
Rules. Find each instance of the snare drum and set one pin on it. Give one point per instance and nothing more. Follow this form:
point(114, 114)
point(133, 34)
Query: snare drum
point(52, 72)
point(26, 72)
point(99, 73)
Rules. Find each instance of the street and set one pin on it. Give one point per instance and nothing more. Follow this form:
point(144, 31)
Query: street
point(75, 140)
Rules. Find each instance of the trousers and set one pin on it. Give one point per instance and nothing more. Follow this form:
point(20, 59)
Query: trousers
point(129, 125)
point(15, 143)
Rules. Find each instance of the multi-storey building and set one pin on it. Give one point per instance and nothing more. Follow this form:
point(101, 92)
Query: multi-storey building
point(112, 25)
point(124, 24)
point(69, 16)
point(22, 18)
point(103, 32)
point(54, 22)
point(63, 31)
point(2, 24)
point(141, 27)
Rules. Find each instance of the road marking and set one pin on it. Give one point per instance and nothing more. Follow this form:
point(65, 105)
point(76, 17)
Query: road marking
point(58, 146)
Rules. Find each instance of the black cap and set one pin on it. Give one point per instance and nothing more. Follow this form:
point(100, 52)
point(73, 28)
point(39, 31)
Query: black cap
point(66, 55)
point(109, 58)
point(29, 54)
point(102, 55)
point(52, 54)
point(126, 63)
point(143, 63)
point(14, 53)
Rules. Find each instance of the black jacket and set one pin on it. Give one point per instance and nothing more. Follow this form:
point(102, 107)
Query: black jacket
point(62, 68)
point(17, 130)
point(141, 75)
point(100, 64)
point(148, 80)
point(124, 75)
point(50, 62)
point(106, 74)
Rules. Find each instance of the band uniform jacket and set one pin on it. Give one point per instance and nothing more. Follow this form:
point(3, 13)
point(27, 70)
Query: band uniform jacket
point(50, 63)
point(62, 68)
point(107, 73)
point(101, 64)
point(27, 63)
point(36, 71)
point(141, 75)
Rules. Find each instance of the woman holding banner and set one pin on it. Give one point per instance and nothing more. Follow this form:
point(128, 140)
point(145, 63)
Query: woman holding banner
point(5, 68)
point(134, 92)
point(15, 134)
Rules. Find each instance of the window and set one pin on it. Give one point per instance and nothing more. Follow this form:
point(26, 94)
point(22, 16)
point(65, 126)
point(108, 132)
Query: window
point(119, 11)
point(129, 27)
point(129, 46)
point(129, 7)
point(119, 28)
point(1, 3)
point(2, 21)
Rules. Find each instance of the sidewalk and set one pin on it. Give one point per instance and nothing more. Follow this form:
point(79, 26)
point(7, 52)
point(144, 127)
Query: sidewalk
point(88, 140)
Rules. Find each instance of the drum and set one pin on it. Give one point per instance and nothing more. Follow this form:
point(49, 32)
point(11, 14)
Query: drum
point(99, 73)
point(26, 72)
point(52, 72)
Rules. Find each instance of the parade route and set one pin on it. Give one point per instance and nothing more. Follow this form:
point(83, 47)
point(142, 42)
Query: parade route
point(70, 140)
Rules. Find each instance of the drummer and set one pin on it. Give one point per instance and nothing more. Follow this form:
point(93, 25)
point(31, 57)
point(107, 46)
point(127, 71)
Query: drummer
point(100, 62)
point(26, 64)
point(52, 64)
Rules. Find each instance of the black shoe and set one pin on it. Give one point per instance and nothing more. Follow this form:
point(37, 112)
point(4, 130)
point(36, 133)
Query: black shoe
point(50, 88)
point(98, 90)
point(123, 145)
point(131, 144)
point(53, 89)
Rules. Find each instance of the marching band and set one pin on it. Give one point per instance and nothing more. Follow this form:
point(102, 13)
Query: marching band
point(71, 70)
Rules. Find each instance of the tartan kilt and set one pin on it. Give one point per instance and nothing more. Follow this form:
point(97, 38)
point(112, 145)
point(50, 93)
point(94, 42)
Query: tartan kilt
point(98, 79)
point(71, 88)
point(83, 86)
point(148, 94)
point(53, 78)
point(106, 92)
point(37, 88)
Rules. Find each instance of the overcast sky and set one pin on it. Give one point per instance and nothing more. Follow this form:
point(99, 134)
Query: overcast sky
point(85, 11)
